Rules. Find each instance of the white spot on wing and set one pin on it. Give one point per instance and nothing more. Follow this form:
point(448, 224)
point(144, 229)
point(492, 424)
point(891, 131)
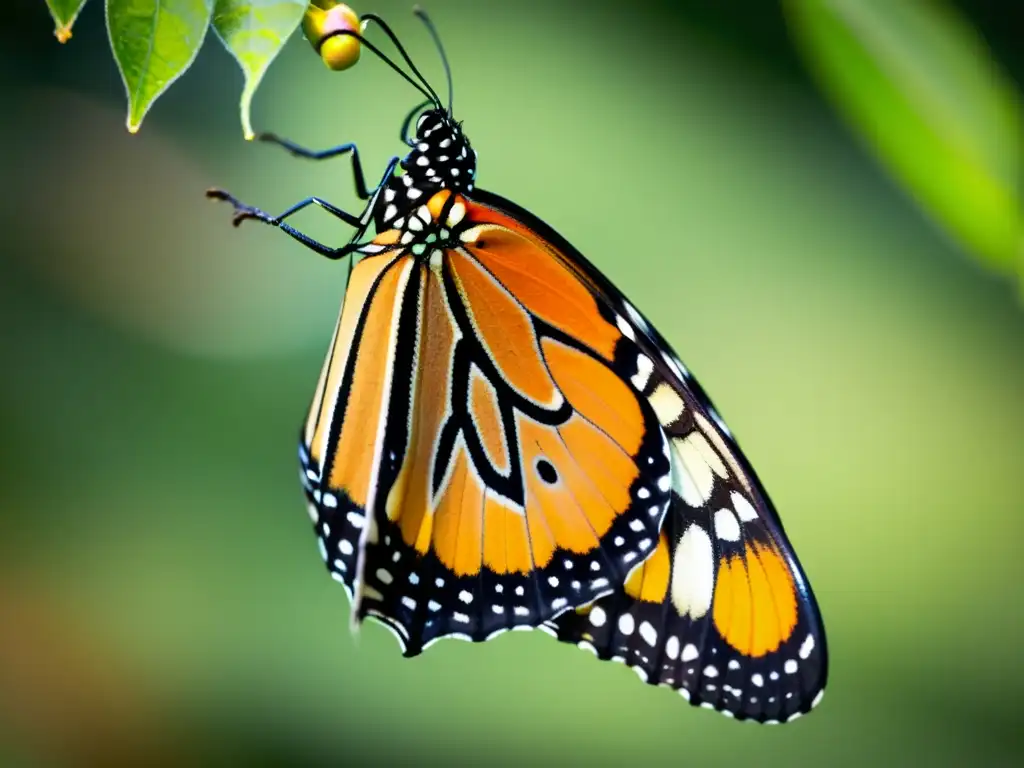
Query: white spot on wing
point(690, 652)
point(644, 367)
point(648, 633)
point(457, 213)
point(626, 624)
point(743, 508)
point(598, 617)
point(667, 404)
point(806, 647)
point(693, 478)
point(672, 648)
point(726, 526)
point(693, 578)
point(625, 328)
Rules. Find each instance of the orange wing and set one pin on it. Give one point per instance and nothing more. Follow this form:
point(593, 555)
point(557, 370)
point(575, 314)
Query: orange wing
point(721, 611)
point(474, 458)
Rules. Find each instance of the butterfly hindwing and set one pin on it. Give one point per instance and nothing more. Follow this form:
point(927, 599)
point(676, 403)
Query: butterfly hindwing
point(475, 457)
point(722, 611)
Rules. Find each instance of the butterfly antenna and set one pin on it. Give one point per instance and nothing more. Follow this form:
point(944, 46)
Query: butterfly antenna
point(422, 16)
point(368, 17)
point(431, 95)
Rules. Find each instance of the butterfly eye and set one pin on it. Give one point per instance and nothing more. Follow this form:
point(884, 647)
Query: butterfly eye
point(546, 471)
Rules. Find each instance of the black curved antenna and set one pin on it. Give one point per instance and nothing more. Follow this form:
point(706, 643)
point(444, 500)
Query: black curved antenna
point(422, 16)
point(431, 95)
point(366, 17)
point(408, 120)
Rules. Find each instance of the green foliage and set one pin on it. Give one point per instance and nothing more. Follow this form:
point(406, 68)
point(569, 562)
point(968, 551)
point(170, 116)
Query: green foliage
point(64, 13)
point(254, 33)
point(923, 93)
point(154, 42)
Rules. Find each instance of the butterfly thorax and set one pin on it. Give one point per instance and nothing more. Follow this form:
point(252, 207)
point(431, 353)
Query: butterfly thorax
point(441, 158)
point(427, 230)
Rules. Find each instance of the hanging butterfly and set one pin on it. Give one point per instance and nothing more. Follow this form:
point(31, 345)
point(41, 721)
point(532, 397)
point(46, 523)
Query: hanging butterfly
point(499, 440)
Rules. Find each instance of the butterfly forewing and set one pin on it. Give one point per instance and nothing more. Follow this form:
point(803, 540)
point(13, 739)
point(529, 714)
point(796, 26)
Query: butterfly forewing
point(721, 610)
point(476, 459)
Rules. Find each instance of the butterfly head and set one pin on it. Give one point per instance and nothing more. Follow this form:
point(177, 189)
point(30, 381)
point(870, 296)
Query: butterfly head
point(441, 156)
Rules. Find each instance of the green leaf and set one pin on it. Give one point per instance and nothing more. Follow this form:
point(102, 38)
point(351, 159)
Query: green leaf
point(64, 13)
point(154, 42)
point(254, 32)
point(924, 94)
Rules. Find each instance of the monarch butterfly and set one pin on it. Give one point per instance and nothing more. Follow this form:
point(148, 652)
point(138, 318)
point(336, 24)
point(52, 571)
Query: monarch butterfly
point(500, 440)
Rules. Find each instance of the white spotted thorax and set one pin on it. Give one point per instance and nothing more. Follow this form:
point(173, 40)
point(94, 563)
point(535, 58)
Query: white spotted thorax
point(441, 158)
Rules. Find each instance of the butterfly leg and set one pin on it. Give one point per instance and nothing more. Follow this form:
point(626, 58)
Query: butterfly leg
point(360, 223)
point(324, 154)
point(243, 212)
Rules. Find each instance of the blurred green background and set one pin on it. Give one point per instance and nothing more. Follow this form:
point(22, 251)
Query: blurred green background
point(161, 597)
